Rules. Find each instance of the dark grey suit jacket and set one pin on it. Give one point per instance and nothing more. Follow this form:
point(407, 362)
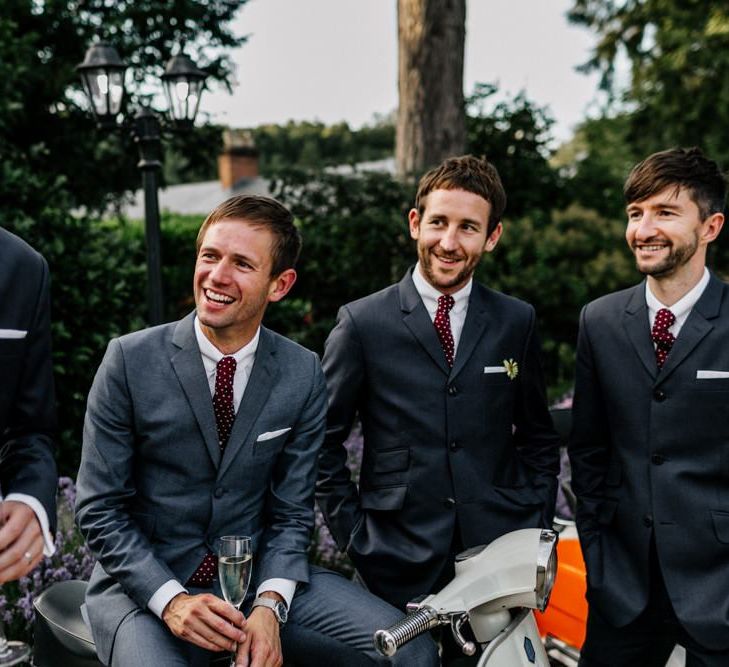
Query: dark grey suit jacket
point(650, 455)
point(27, 401)
point(154, 491)
point(442, 447)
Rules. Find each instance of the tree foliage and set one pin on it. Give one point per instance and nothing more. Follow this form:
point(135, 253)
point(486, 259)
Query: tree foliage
point(678, 52)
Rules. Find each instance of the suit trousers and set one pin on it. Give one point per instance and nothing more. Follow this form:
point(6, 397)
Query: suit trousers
point(648, 640)
point(331, 622)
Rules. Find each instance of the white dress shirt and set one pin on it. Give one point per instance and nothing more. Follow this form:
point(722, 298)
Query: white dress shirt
point(430, 294)
point(244, 358)
point(681, 309)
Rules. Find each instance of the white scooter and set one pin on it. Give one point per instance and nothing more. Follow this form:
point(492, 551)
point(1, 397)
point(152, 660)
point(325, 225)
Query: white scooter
point(495, 589)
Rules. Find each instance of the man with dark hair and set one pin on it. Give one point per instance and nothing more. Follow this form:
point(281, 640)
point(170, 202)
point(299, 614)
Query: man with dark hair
point(207, 427)
point(28, 475)
point(445, 377)
point(650, 441)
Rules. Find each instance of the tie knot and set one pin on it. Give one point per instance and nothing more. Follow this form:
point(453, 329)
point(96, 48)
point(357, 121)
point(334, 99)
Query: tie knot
point(226, 366)
point(445, 303)
point(664, 321)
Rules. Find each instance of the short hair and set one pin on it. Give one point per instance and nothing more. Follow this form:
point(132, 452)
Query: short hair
point(264, 212)
point(468, 173)
point(679, 168)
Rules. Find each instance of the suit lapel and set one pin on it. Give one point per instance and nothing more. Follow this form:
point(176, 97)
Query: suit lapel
point(477, 318)
point(264, 374)
point(696, 327)
point(417, 320)
point(636, 323)
point(188, 366)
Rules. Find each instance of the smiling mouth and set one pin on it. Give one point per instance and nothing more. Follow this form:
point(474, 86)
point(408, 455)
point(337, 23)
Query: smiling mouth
point(448, 260)
point(217, 297)
point(650, 248)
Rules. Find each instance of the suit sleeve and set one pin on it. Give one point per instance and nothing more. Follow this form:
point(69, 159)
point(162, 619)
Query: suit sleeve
point(536, 441)
point(588, 443)
point(290, 504)
point(343, 365)
point(28, 464)
point(105, 486)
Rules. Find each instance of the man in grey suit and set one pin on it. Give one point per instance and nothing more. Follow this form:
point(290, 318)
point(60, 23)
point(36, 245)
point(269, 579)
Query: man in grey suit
point(206, 427)
point(650, 441)
point(28, 475)
point(444, 374)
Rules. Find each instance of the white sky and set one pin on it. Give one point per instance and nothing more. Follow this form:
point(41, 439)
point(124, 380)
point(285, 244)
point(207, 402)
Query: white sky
point(333, 60)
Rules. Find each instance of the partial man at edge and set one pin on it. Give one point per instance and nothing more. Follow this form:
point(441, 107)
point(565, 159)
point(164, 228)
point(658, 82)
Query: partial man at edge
point(28, 476)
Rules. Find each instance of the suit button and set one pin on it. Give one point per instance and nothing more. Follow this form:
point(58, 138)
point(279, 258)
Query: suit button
point(452, 390)
point(219, 492)
point(449, 503)
point(659, 395)
point(648, 520)
point(657, 459)
point(454, 446)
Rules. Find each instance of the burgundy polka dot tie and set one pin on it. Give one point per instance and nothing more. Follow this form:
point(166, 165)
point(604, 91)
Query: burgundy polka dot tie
point(224, 415)
point(661, 335)
point(442, 324)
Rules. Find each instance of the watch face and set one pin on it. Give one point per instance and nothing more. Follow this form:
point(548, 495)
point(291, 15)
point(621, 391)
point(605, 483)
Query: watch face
point(282, 612)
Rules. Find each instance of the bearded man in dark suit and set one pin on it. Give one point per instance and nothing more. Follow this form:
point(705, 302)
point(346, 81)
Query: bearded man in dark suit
point(650, 441)
point(444, 374)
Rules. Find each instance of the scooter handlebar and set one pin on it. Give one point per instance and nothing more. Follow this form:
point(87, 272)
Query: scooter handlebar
point(388, 641)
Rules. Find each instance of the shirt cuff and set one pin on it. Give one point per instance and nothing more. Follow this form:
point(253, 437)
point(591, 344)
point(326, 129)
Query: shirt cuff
point(284, 587)
point(163, 595)
point(49, 548)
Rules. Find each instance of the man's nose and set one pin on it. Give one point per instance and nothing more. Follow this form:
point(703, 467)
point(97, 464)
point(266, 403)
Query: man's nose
point(449, 240)
point(646, 228)
point(220, 273)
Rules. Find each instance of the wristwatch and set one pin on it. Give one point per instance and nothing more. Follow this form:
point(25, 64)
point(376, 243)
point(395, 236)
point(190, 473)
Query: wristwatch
point(278, 608)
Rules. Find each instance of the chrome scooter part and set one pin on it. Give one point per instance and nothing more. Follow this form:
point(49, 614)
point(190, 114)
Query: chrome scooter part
point(388, 641)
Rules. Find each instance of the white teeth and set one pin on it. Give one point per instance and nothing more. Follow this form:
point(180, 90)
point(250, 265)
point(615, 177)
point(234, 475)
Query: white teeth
point(218, 298)
point(651, 248)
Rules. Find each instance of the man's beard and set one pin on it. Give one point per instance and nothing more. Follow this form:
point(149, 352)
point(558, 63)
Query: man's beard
point(426, 261)
point(677, 257)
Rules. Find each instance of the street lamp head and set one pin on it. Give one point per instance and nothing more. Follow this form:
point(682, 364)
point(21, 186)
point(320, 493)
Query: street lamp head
point(183, 83)
point(102, 72)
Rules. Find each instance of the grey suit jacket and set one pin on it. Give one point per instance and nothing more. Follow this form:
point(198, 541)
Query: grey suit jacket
point(154, 491)
point(442, 447)
point(27, 400)
point(650, 455)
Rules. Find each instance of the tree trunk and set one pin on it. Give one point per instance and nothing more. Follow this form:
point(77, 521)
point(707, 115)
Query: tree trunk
point(431, 119)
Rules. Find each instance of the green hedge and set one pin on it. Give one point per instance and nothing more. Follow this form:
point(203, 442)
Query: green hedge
point(356, 241)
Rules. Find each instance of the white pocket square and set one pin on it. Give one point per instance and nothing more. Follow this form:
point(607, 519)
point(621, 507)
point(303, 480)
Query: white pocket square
point(270, 435)
point(494, 369)
point(13, 333)
point(711, 375)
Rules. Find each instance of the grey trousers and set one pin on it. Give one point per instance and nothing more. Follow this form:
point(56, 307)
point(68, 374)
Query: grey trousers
point(331, 623)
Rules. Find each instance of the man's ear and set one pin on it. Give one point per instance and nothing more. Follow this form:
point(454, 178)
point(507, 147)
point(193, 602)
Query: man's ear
point(493, 238)
point(414, 223)
point(711, 227)
point(281, 285)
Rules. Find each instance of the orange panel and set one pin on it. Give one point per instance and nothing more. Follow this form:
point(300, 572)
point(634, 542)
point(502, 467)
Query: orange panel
point(566, 615)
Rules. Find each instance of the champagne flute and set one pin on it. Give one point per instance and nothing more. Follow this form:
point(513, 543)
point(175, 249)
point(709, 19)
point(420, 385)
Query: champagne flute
point(11, 652)
point(235, 562)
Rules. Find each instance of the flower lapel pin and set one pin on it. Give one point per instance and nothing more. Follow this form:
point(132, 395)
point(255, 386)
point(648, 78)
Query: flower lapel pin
point(512, 368)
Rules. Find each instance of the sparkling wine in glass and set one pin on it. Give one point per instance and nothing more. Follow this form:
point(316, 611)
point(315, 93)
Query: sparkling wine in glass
point(11, 652)
point(235, 561)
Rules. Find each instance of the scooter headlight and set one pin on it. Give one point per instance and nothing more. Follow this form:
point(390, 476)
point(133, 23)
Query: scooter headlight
point(546, 567)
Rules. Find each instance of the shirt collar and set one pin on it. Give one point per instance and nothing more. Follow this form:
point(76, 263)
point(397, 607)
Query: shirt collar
point(210, 353)
point(685, 303)
point(430, 294)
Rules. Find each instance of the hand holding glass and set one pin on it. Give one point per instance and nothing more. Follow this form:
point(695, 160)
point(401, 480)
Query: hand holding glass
point(235, 562)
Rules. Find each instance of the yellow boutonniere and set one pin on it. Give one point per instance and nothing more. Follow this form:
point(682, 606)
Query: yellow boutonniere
point(512, 368)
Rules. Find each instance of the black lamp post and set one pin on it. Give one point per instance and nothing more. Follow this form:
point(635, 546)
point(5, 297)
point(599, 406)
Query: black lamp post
point(102, 72)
